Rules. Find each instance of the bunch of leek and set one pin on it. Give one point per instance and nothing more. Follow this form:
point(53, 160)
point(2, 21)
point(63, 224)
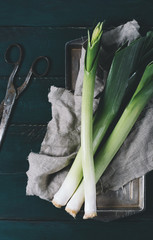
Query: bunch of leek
point(142, 95)
point(121, 81)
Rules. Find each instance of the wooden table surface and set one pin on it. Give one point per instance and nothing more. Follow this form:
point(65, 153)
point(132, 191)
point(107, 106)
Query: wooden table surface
point(43, 27)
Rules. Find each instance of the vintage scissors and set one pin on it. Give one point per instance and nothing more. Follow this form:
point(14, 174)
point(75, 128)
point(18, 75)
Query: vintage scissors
point(13, 93)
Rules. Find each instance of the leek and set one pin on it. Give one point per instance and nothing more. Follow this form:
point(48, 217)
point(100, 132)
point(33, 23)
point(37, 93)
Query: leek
point(142, 95)
point(90, 68)
point(119, 83)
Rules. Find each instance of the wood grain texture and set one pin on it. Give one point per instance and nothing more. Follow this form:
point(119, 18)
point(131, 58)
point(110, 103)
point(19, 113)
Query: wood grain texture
point(38, 41)
point(32, 106)
point(35, 41)
point(18, 142)
point(48, 25)
point(71, 13)
point(15, 205)
point(17, 230)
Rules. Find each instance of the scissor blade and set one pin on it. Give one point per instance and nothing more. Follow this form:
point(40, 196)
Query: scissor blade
point(8, 105)
point(19, 90)
point(1, 108)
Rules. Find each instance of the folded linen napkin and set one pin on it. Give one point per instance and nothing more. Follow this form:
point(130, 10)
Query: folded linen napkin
point(48, 168)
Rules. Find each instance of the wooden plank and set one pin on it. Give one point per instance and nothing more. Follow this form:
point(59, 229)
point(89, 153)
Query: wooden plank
point(32, 106)
point(72, 13)
point(38, 41)
point(14, 204)
point(75, 230)
point(18, 142)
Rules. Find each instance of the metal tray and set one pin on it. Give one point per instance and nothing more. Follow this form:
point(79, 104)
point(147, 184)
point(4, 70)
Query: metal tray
point(114, 204)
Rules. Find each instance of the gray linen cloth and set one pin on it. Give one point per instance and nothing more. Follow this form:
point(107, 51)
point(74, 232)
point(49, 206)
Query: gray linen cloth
point(48, 168)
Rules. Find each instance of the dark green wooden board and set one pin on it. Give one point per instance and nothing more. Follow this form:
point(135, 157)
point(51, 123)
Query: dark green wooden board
point(74, 230)
point(19, 141)
point(70, 13)
point(17, 230)
point(38, 41)
point(15, 205)
point(43, 28)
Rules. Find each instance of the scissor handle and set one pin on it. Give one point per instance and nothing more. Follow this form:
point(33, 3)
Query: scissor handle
point(33, 67)
point(8, 52)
